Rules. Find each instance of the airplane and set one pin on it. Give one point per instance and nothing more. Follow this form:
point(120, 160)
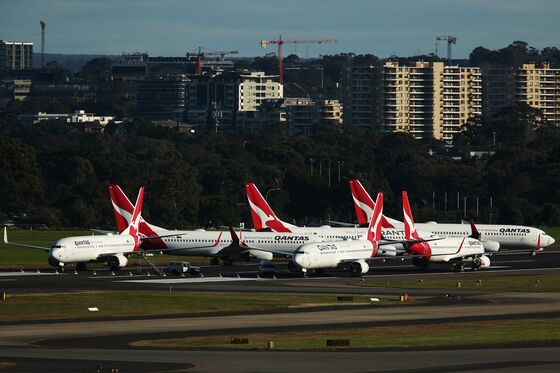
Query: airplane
point(111, 248)
point(350, 254)
point(265, 220)
point(457, 250)
point(199, 242)
point(494, 237)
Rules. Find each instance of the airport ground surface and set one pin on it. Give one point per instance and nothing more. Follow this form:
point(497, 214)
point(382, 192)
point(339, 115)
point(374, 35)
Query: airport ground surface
point(85, 345)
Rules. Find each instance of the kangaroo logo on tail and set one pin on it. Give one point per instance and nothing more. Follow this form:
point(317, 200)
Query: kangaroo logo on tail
point(123, 209)
point(263, 216)
point(410, 233)
point(132, 228)
point(364, 205)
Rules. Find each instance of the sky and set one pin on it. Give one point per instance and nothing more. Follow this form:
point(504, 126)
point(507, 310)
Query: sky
point(382, 28)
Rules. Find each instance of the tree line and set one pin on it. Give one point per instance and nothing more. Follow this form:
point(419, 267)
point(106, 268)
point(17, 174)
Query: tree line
point(55, 174)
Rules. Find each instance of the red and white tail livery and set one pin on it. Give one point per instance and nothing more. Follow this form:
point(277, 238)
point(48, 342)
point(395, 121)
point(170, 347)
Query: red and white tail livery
point(123, 210)
point(374, 230)
point(364, 206)
point(264, 218)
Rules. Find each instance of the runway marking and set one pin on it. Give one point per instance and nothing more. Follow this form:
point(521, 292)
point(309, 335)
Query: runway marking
point(193, 280)
point(11, 274)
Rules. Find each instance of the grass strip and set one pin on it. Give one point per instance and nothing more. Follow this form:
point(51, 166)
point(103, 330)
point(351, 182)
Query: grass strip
point(53, 306)
point(450, 334)
point(479, 281)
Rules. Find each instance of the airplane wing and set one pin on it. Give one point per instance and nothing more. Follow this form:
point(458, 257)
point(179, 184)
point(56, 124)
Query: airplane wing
point(343, 224)
point(47, 249)
point(102, 231)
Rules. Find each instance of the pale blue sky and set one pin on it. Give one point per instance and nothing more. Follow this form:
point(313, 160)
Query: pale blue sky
point(172, 27)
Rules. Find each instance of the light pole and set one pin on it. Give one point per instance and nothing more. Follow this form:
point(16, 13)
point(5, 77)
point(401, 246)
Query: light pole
point(340, 164)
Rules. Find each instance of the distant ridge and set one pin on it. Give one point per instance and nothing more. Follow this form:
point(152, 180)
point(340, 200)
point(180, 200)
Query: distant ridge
point(72, 62)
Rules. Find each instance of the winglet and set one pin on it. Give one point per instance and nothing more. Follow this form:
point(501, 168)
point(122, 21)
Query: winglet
point(475, 233)
point(5, 235)
point(234, 237)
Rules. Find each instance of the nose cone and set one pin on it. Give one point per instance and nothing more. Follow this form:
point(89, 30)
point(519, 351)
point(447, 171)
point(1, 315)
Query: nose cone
point(550, 240)
point(57, 253)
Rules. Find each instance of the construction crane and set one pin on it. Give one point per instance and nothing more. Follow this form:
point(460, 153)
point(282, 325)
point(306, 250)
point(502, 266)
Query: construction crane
point(200, 55)
point(450, 40)
point(280, 42)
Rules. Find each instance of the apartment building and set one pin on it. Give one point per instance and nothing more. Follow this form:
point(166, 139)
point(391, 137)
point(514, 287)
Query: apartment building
point(162, 97)
point(462, 98)
point(538, 87)
point(16, 55)
point(359, 94)
point(428, 99)
point(217, 101)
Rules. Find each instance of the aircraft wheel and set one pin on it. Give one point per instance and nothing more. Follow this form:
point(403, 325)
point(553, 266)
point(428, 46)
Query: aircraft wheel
point(459, 267)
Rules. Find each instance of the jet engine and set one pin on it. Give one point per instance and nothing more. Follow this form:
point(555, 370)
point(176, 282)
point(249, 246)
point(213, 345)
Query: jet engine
point(491, 246)
point(481, 262)
point(261, 255)
point(55, 263)
point(117, 261)
point(359, 268)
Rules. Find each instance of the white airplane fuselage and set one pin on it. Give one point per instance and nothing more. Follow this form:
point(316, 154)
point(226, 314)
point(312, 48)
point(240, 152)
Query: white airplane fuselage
point(509, 237)
point(83, 249)
point(332, 254)
point(213, 243)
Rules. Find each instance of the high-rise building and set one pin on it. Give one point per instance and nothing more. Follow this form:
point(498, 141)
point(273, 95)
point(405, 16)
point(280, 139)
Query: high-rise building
point(16, 55)
point(428, 99)
point(359, 94)
point(462, 98)
point(538, 87)
point(162, 97)
point(215, 101)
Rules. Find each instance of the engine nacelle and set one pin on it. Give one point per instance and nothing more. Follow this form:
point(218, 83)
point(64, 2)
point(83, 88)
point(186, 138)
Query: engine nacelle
point(55, 263)
point(491, 246)
point(117, 261)
point(481, 262)
point(387, 250)
point(261, 255)
point(359, 268)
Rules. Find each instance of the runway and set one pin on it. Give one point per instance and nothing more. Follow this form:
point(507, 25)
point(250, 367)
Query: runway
point(85, 345)
point(242, 277)
point(510, 360)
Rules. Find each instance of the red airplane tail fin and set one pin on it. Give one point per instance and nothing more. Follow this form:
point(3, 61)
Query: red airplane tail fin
point(374, 230)
point(409, 229)
point(263, 216)
point(364, 205)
